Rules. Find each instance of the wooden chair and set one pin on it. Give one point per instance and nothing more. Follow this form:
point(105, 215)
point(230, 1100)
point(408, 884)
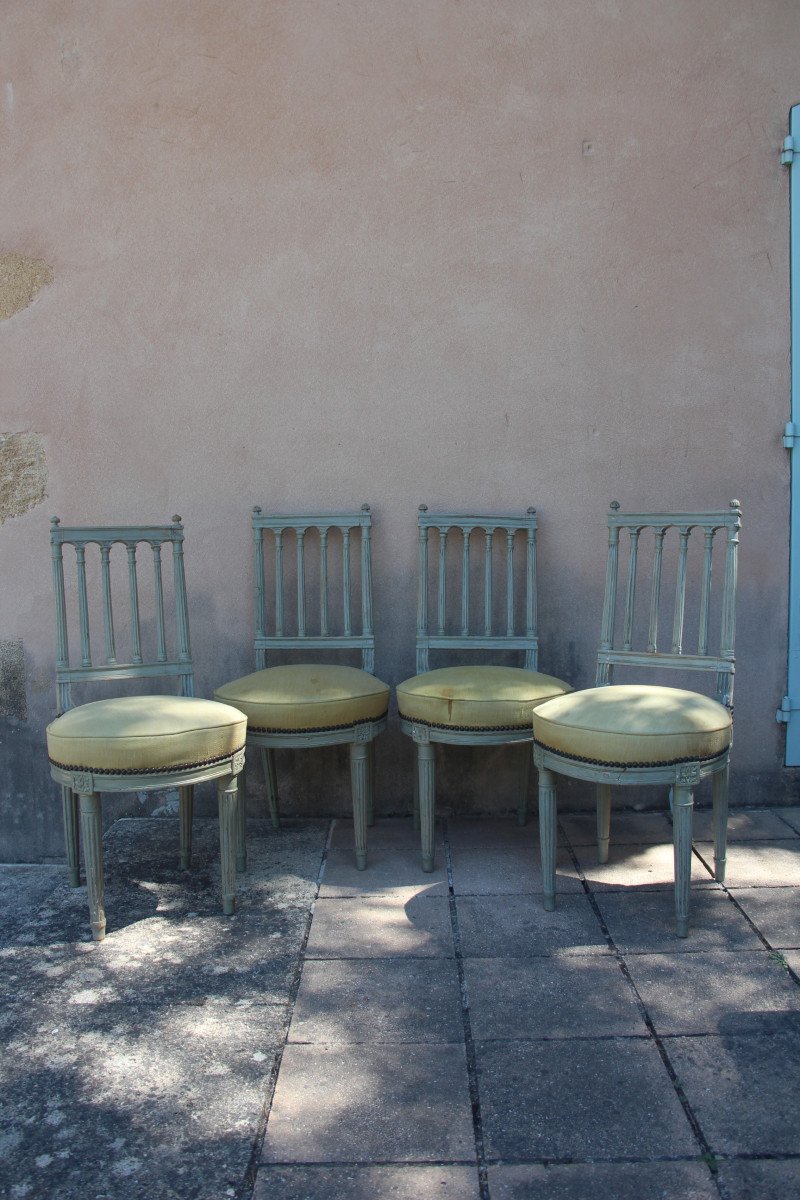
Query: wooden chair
point(648, 734)
point(313, 704)
point(134, 743)
point(475, 705)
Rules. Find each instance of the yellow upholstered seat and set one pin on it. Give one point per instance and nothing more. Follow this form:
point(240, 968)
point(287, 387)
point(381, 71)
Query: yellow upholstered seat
point(145, 733)
point(306, 696)
point(634, 725)
point(476, 697)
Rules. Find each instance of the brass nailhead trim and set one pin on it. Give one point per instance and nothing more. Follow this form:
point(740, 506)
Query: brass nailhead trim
point(466, 728)
point(319, 728)
point(600, 762)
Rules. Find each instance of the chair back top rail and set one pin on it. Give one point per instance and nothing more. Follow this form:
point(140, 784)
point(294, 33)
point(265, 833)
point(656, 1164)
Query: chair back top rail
point(709, 526)
point(335, 599)
point(132, 537)
point(478, 575)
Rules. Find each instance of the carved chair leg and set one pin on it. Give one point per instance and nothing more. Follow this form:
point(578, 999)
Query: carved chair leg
point(371, 784)
point(603, 820)
point(682, 810)
point(719, 792)
point(426, 772)
point(241, 823)
point(416, 793)
point(359, 783)
point(524, 784)
point(92, 837)
point(271, 780)
point(227, 794)
point(186, 808)
point(69, 809)
point(547, 836)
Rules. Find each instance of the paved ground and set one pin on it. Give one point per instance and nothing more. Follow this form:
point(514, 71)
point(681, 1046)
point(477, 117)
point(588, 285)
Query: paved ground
point(392, 1034)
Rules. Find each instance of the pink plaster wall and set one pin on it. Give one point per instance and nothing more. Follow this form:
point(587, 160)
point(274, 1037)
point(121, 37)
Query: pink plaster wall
point(485, 254)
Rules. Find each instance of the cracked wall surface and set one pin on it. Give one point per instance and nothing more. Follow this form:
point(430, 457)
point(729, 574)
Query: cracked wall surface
point(13, 699)
point(23, 473)
point(20, 279)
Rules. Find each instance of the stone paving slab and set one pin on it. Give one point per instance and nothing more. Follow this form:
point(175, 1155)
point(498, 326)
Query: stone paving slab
point(507, 869)
point(650, 868)
point(571, 995)
point(395, 832)
point(371, 1103)
point(381, 927)
point(378, 1001)
point(749, 992)
point(644, 922)
point(775, 911)
point(626, 827)
point(764, 1180)
point(491, 831)
point(389, 869)
point(758, 864)
point(156, 1101)
point(579, 1099)
point(607, 1181)
point(519, 927)
point(790, 814)
point(744, 825)
point(367, 1183)
point(744, 1090)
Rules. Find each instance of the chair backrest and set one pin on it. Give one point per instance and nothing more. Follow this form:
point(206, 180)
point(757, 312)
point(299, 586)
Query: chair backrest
point(499, 625)
point(714, 614)
point(171, 653)
point(316, 540)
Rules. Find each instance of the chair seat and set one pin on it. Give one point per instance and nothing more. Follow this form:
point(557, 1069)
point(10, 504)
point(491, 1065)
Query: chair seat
point(306, 697)
point(633, 725)
point(476, 697)
point(133, 734)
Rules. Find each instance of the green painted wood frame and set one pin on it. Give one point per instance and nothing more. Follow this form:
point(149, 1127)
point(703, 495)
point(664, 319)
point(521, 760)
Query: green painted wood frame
point(433, 636)
point(682, 778)
point(81, 791)
point(355, 529)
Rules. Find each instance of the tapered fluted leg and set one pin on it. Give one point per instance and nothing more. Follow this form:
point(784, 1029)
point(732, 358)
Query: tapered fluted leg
point(426, 772)
point(359, 783)
point(186, 807)
point(682, 808)
point(241, 824)
point(92, 837)
point(524, 785)
point(719, 785)
point(271, 780)
point(371, 784)
point(547, 836)
point(416, 793)
point(69, 809)
point(227, 794)
point(603, 820)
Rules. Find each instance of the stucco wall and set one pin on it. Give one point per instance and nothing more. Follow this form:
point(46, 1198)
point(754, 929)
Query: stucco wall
point(482, 254)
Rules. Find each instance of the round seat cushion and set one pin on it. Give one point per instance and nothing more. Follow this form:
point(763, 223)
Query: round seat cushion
point(145, 733)
point(628, 724)
point(306, 697)
point(476, 697)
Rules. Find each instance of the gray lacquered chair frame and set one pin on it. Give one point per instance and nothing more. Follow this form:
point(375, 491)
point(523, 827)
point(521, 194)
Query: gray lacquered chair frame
point(272, 636)
point(81, 790)
point(432, 635)
point(680, 777)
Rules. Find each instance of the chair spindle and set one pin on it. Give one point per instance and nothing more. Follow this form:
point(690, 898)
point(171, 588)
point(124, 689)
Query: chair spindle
point(655, 593)
point(83, 607)
point(465, 583)
point(161, 637)
point(108, 612)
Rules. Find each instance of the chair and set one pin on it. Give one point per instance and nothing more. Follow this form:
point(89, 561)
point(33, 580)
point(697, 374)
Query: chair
point(311, 704)
point(476, 705)
point(644, 733)
point(134, 743)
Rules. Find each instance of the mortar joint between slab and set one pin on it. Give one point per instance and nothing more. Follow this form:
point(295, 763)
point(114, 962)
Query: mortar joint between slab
point(247, 1187)
point(469, 1044)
